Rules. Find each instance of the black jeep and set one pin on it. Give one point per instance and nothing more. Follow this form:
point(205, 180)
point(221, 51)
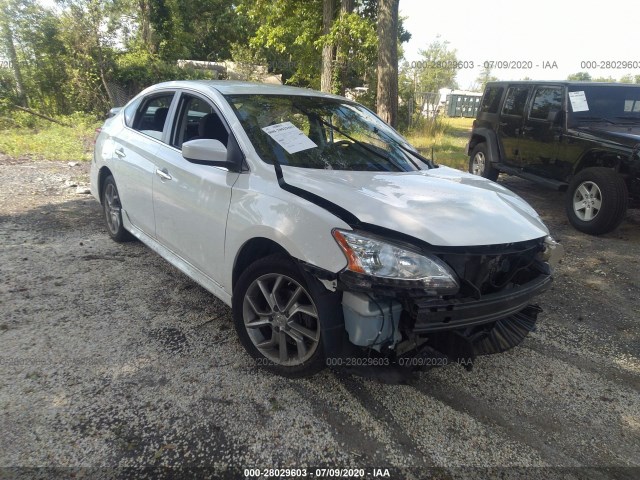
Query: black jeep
point(575, 136)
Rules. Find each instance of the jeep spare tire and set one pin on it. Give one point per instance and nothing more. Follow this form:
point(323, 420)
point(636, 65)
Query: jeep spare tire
point(480, 163)
point(596, 200)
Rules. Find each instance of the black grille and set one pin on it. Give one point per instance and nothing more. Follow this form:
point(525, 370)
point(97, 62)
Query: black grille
point(485, 273)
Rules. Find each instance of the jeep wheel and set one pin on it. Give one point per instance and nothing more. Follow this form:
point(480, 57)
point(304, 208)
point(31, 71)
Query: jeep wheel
point(480, 163)
point(596, 200)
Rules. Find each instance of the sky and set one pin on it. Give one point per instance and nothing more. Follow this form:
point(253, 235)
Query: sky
point(527, 36)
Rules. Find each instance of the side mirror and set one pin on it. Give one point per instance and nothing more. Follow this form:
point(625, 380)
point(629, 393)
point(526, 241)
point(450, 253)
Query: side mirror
point(206, 151)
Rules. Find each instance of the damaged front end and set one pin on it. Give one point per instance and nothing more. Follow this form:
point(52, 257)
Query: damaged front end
point(417, 304)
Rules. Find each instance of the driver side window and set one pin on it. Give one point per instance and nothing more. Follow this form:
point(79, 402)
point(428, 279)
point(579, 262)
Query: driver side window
point(198, 119)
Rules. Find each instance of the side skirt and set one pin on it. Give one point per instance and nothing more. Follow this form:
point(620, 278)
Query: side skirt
point(185, 267)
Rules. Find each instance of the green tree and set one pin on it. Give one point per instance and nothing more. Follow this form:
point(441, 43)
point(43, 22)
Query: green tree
point(9, 10)
point(437, 68)
point(580, 76)
point(484, 78)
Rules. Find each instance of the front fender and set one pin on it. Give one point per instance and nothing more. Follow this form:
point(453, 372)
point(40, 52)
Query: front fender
point(260, 209)
point(487, 136)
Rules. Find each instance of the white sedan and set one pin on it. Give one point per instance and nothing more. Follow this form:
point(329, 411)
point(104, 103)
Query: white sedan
point(332, 239)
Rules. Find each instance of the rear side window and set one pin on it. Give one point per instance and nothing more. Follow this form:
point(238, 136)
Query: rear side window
point(130, 112)
point(152, 116)
point(515, 101)
point(491, 99)
point(545, 100)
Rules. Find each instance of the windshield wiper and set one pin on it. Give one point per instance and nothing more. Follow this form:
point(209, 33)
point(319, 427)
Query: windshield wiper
point(595, 119)
point(629, 119)
point(357, 142)
point(430, 163)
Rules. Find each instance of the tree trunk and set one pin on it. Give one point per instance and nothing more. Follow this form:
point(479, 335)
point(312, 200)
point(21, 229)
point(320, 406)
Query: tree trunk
point(326, 77)
point(7, 36)
point(144, 17)
point(342, 57)
point(96, 18)
point(387, 93)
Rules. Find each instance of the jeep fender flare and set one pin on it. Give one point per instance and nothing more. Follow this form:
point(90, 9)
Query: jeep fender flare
point(488, 136)
point(601, 157)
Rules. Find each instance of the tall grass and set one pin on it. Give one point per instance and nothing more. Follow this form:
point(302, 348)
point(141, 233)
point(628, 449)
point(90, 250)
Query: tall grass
point(446, 137)
point(23, 135)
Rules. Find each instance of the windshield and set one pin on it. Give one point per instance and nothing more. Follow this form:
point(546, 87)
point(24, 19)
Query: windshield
point(315, 132)
point(611, 103)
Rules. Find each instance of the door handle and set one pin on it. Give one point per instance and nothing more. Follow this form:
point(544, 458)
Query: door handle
point(163, 174)
point(527, 129)
point(120, 153)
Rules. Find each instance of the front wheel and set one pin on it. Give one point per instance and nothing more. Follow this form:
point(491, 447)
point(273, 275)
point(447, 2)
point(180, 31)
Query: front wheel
point(596, 200)
point(277, 317)
point(480, 163)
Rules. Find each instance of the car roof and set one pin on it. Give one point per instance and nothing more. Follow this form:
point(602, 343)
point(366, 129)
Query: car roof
point(233, 87)
point(561, 82)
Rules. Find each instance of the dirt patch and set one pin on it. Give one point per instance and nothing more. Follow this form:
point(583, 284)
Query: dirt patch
point(110, 358)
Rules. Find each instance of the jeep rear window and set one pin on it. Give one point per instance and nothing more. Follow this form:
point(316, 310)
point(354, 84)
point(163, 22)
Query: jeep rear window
point(491, 99)
point(515, 101)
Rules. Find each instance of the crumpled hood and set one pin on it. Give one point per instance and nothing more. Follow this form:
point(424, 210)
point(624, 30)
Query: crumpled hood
point(441, 206)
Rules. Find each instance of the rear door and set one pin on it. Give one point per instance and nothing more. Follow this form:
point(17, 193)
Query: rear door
point(191, 201)
point(135, 148)
point(539, 144)
point(511, 123)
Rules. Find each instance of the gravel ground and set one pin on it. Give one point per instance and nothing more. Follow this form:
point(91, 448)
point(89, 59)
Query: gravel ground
point(113, 361)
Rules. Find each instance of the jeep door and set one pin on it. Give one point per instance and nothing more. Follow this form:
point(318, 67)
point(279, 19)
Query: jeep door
point(190, 200)
point(542, 132)
point(511, 122)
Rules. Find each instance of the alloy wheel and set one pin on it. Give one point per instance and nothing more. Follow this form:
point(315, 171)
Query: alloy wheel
point(281, 319)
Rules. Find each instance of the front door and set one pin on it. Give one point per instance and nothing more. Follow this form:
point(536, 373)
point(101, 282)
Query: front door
point(191, 201)
point(540, 141)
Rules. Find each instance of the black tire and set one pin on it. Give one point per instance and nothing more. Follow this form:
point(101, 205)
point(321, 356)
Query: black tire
point(596, 200)
point(283, 341)
point(480, 163)
point(112, 209)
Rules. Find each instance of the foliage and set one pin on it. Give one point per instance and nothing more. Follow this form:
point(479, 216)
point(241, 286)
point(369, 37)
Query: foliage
point(435, 70)
point(284, 35)
point(484, 78)
point(33, 137)
point(356, 42)
point(90, 55)
point(580, 76)
point(447, 137)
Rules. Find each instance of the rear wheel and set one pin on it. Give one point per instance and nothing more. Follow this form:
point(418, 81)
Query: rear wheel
point(113, 211)
point(480, 163)
point(596, 200)
point(277, 317)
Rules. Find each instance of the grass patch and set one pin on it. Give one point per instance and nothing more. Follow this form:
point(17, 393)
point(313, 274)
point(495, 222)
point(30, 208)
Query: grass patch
point(47, 140)
point(448, 138)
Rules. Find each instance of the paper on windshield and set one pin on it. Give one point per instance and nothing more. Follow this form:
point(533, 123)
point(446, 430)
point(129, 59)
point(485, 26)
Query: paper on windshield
point(578, 101)
point(290, 137)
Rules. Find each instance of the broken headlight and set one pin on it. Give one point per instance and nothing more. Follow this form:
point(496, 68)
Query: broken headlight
point(377, 258)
